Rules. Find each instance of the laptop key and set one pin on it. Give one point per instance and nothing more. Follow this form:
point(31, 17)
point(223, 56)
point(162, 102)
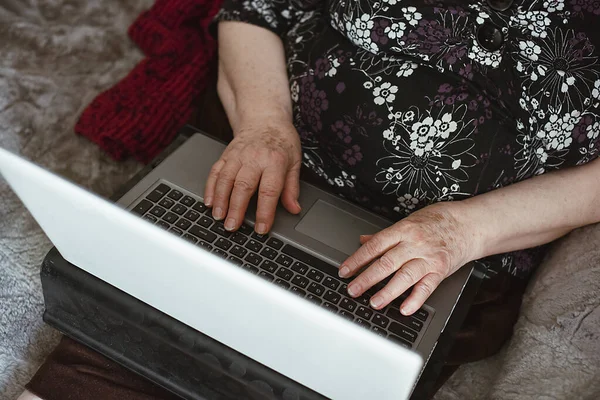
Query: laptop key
point(269, 253)
point(299, 267)
point(284, 260)
point(176, 231)
point(274, 243)
point(235, 260)
point(238, 251)
point(158, 192)
point(346, 315)
point(253, 245)
point(400, 341)
point(407, 321)
point(250, 268)
point(204, 245)
point(315, 275)
point(238, 238)
point(223, 243)
point(245, 229)
point(199, 206)
point(343, 289)
point(284, 273)
point(166, 203)
point(192, 215)
point(205, 221)
point(150, 217)
point(310, 260)
point(253, 258)
point(364, 300)
point(142, 207)
point(175, 194)
point(421, 314)
point(220, 253)
point(269, 266)
point(220, 229)
point(163, 224)
point(187, 201)
point(331, 283)
point(280, 282)
point(202, 233)
point(313, 299)
point(380, 320)
point(266, 275)
point(330, 307)
point(259, 237)
point(158, 211)
point(300, 280)
point(363, 323)
point(298, 291)
point(183, 223)
point(364, 312)
point(348, 304)
point(403, 332)
point(379, 331)
point(332, 296)
point(315, 288)
point(189, 238)
point(179, 209)
point(170, 217)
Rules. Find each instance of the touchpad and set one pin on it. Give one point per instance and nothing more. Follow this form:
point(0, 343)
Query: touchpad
point(335, 227)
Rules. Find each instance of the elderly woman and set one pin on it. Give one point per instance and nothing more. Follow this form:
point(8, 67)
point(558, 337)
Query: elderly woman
point(473, 124)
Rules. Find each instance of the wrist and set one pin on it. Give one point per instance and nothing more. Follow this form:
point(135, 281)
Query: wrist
point(475, 230)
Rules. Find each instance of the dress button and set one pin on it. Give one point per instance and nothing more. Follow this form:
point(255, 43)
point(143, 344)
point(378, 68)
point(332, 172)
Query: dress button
point(489, 37)
point(500, 5)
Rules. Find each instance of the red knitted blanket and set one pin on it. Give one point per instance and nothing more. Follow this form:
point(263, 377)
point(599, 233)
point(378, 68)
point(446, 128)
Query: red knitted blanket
point(141, 114)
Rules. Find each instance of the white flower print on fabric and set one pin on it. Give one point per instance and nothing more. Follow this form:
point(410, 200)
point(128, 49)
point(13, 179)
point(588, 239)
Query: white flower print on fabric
point(593, 130)
point(295, 91)
point(534, 157)
point(536, 22)
point(411, 15)
point(427, 155)
point(554, 5)
point(407, 202)
point(406, 69)
point(334, 64)
point(392, 2)
point(263, 8)
point(557, 131)
point(386, 93)
point(530, 50)
point(596, 90)
point(359, 32)
point(484, 57)
point(395, 30)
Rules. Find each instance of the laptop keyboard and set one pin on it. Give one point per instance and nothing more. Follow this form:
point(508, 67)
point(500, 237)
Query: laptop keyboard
point(281, 263)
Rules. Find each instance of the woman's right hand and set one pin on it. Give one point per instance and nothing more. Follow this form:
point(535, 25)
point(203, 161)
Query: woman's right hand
point(263, 156)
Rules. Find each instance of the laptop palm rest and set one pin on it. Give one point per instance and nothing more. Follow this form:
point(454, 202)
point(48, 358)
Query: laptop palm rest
point(323, 222)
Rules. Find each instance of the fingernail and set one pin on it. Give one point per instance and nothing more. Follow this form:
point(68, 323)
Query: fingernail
point(208, 201)
point(218, 213)
point(353, 290)
point(298, 204)
point(376, 301)
point(344, 271)
point(405, 311)
point(230, 224)
point(261, 228)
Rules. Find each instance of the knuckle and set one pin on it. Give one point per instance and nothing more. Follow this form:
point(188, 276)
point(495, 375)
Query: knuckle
point(373, 245)
point(387, 264)
point(425, 287)
point(269, 190)
point(243, 185)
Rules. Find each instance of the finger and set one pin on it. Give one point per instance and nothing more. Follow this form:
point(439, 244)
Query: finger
point(373, 248)
point(291, 190)
point(409, 274)
point(209, 187)
point(223, 188)
point(386, 265)
point(420, 293)
point(269, 190)
point(365, 238)
point(244, 187)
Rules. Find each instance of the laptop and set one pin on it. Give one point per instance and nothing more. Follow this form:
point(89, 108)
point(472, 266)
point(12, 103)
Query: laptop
point(274, 298)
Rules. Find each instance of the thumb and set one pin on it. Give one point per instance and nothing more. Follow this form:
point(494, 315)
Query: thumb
point(365, 238)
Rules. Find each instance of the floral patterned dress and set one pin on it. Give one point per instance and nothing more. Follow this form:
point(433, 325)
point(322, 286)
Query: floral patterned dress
point(403, 103)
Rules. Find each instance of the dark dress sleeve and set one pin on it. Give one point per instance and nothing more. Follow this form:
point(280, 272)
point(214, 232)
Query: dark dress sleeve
point(274, 15)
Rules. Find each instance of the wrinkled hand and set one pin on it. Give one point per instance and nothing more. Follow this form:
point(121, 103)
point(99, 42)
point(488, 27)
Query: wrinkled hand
point(421, 250)
point(264, 157)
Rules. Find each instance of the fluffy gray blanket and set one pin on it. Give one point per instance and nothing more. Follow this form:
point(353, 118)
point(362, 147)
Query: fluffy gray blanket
point(56, 55)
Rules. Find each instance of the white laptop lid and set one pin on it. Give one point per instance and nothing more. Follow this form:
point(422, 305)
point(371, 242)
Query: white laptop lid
point(258, 319)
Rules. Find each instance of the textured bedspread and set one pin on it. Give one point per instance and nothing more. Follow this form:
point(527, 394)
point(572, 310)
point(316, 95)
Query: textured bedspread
point(56, 55)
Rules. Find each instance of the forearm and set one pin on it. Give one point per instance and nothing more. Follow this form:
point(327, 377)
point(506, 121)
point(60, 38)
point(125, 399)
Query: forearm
point(253, 82)
point(535, 211)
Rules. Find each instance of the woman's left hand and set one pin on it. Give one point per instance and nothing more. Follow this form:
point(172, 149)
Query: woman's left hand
point(421, 250)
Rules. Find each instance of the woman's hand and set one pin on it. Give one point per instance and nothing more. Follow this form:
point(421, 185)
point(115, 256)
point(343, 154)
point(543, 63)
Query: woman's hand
point(421, 250)
point(263, 156)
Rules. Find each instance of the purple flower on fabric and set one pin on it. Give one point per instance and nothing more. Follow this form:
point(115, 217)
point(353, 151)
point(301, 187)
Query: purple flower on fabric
point(592, 6)
point(466, 71)
point(321, 67)
point(312, 102)
point(378, 34)
point(580, 132)
point(352, 155)
point(342, 130)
